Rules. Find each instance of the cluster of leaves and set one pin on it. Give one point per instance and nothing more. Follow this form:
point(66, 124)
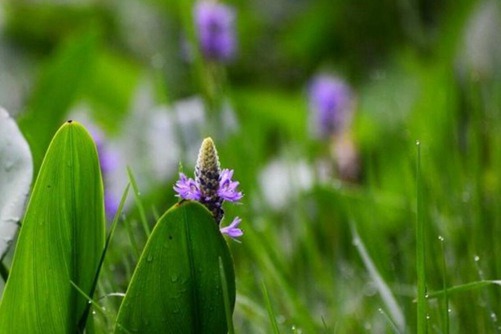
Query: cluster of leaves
point(183, 282)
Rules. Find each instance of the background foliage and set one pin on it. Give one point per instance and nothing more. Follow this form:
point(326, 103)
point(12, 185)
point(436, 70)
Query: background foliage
point(421, 70)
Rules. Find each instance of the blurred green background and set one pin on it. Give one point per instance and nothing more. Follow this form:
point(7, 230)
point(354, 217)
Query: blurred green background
point(427, 71)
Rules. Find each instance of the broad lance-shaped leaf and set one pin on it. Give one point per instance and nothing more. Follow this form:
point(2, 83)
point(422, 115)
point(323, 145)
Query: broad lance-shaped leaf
point(16, 173)
point(61, 240)
point(176, 287)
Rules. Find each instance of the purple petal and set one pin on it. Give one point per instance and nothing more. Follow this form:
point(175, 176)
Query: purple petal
point(108, 158)
point(232, 230)
point(110, 205)
point(330, 100)
point(216, 31)
point(228, 188)
point(187, 188)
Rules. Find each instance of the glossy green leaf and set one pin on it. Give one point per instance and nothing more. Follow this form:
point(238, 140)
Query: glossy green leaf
point(176, 287)
point(61, 240)
point(16, 173)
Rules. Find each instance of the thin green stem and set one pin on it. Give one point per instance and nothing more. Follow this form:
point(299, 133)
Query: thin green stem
point(420, 250)
point(444, 286)
point(139, 204)
point(271, 314)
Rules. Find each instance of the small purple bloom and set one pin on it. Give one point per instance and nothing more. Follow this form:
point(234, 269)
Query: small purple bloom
point(232, 230)
point(216, 31)
point(187, 188)
point(110, 204)
point(108, 161)
point(330, 103)
point(228, 188)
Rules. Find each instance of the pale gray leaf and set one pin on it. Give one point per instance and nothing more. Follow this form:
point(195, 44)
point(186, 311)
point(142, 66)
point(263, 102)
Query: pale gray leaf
point(16, 173)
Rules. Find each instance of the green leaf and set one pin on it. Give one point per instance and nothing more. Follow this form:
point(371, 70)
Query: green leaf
point(16, 173)
point(61, 239)
point(176, 287)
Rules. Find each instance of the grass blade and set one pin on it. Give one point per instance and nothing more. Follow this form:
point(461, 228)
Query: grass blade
point(83, 320)
point(271, 314)
point(463, 288)
point(385, 292)
point(420, 250)
point(444, 286)
point(139, 204)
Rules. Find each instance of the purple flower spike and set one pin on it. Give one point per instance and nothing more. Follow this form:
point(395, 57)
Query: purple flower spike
point(232, 230)
point(216, 31)
point(187, 188)
point(228, 188)
point(211, 187)
point(330, 103)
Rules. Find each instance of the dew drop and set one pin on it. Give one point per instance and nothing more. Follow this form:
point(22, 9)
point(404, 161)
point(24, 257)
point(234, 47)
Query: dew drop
point(476, 258)
point(440, 238)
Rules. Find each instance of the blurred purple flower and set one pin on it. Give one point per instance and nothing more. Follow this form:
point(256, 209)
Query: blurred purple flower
point(228, 188)
point(215, 29)
point(108, 162)
point(110, 204)
point(187, 188)
point(330, 103)
point(232, 230)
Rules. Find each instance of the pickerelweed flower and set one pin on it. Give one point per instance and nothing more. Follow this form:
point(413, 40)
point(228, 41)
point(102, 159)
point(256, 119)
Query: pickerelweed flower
point(216, 30)
point(211, 187)
point(330, 103)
